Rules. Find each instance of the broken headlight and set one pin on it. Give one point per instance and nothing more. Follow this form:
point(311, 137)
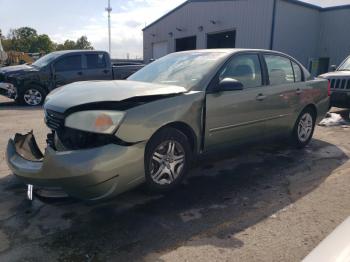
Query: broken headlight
point(96, 121)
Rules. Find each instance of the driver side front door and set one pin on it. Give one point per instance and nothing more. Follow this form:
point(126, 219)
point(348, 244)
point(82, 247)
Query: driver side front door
point(67, 70)
point(237, 117)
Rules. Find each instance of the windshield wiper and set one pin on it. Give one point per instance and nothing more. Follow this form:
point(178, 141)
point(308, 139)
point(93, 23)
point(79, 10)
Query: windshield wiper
point(345, 69)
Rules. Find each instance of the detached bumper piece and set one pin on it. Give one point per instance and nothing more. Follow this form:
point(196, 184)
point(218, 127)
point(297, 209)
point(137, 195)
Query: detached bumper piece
point(27, 148)
point(90, 174)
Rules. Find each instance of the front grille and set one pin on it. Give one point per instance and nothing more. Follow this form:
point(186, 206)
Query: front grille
point(340, 84)
point(54, 120)
point(73, 139)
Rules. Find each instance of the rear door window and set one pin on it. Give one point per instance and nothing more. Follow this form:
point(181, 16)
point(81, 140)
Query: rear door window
point(280, 70)
point(245, 68)
point(297, 72)
point(95, 61)
point(69, 63)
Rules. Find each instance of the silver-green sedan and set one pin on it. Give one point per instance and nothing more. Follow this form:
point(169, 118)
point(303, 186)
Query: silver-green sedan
point(110, 136)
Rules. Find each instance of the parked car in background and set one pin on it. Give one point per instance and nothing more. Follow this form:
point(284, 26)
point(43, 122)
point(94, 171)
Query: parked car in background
point(110, 136)
point(29, 84)
point(340, 84)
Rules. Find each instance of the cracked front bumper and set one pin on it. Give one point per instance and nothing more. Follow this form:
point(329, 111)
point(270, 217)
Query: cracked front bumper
point(90, 174)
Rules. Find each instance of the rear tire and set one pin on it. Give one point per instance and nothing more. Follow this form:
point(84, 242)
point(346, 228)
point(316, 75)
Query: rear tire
point(304, 128)
point(31, 96)
point(167, 159)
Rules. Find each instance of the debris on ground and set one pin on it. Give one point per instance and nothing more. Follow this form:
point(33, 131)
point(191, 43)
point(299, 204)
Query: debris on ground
point(333, 119)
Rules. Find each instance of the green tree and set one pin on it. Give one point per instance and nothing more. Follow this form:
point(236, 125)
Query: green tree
point(42, 43)
point(67, 45)
point(26, 39)
point(83, 43)
point(22, 39)
point(25, 33)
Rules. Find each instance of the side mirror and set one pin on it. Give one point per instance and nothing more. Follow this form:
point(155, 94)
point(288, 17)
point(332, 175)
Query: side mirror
point(333, 68)
point(230, 84)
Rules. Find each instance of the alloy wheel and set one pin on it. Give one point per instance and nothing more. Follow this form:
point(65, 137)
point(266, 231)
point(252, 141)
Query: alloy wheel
point(305, 127)
point(32, 97)
point(167, 162)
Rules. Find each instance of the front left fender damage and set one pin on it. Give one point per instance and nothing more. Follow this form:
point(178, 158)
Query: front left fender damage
point(90, 174)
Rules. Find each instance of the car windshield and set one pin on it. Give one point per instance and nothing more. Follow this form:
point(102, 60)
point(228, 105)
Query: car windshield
point(345, 65)
point(45, 60)
point(183, 69)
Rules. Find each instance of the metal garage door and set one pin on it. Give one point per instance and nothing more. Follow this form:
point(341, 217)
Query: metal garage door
point(160, 49)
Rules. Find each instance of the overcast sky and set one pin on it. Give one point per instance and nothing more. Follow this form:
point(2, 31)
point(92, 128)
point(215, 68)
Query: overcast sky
point(63, 19)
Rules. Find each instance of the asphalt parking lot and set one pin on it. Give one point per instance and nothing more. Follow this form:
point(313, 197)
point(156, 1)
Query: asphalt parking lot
point(267, 203)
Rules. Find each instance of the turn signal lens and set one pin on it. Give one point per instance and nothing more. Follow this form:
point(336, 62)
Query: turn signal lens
point(97, 121)
point(103, 122)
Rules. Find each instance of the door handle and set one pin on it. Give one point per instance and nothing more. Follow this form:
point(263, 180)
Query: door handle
point(299, 91)
point(80, 73)
point(260, 97)
point(106, 71)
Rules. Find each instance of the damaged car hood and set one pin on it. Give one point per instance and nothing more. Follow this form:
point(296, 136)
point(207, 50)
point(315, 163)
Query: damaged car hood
point(81, 93)
point(17, 69)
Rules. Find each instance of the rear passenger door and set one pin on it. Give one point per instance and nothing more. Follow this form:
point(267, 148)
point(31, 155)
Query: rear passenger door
point(282, 93)
point(96, 68)
point(67, 69)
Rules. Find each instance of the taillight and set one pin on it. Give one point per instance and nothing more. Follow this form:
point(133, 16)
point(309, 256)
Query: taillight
point(329, 87)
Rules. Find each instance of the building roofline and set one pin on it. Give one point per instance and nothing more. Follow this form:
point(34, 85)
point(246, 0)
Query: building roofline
point(177, 8)
point(163, 16)
point(339, 7)
point(296, 2)
point(316, 7)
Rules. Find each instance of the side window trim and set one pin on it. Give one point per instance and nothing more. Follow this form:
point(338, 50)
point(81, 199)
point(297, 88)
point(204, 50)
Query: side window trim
point(266, 80)
point(291, 64)
point(84, 62)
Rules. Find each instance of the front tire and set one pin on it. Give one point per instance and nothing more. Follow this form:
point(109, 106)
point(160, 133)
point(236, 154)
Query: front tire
point(304, 128)
point(167, 159)
point(32, 96)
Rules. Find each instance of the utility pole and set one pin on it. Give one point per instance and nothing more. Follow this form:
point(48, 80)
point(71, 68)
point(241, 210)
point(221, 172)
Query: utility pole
point(109, 10)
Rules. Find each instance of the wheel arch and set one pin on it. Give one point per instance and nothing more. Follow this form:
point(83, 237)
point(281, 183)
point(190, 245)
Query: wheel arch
point(312, 107)
point(35, 83)
point(186, 129)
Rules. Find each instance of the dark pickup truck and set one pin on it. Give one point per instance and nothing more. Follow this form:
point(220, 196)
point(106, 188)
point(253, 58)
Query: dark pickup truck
point(29, 84)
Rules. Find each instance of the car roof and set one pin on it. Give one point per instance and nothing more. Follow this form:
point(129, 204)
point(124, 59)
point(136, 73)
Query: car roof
point(232, 51)
point(62, 52)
